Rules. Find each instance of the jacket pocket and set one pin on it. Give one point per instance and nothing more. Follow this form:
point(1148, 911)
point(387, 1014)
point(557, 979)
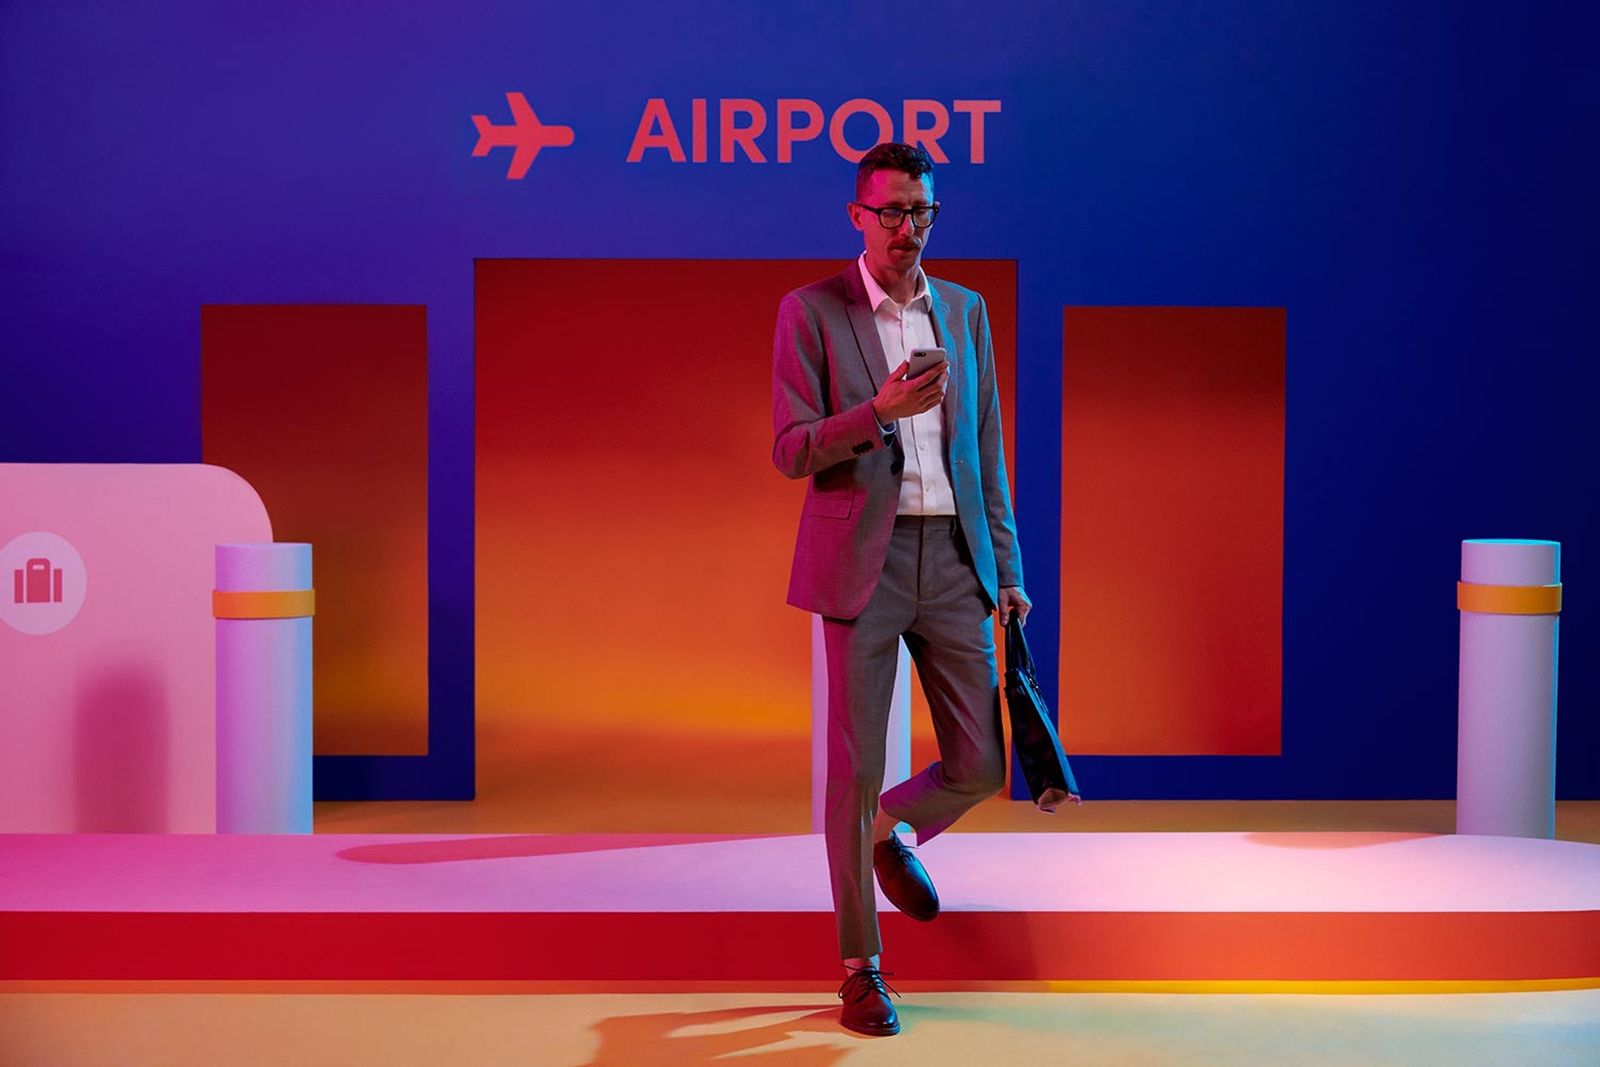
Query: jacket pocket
point(832, 505)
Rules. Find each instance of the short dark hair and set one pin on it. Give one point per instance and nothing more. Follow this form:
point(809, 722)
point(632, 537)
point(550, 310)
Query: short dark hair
point(892, 155)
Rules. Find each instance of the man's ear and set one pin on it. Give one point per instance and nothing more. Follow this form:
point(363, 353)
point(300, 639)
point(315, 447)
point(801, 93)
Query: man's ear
point(855, 214)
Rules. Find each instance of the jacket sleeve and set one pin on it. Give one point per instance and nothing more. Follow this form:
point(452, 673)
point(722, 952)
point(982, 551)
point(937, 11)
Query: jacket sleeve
point(807, 437)
point(992, 459)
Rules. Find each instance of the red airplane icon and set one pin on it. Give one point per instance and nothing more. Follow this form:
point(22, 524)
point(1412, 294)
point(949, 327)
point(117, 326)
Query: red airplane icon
point(525, 133)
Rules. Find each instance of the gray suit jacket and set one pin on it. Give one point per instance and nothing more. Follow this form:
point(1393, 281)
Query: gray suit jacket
point(827, 365)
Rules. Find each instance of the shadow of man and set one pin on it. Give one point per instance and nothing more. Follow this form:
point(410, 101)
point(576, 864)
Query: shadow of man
point(630, 1040)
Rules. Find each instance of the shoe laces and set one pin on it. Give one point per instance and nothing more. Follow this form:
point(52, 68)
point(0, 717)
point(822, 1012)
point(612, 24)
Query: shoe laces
point(867, 980)
point(902, 851)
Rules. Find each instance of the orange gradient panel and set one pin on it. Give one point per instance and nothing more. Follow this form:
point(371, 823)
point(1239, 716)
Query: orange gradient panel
point(324, 410)
point(634, 538)
point(1172, 530)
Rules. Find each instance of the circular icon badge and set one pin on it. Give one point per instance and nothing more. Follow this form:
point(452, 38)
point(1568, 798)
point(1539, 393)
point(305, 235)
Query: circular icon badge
point(42, 582)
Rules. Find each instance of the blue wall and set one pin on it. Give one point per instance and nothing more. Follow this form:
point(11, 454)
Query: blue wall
point(1414, 183)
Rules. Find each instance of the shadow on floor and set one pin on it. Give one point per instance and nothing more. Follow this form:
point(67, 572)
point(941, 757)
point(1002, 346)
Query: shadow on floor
point(483, 848)
point(661, 1041)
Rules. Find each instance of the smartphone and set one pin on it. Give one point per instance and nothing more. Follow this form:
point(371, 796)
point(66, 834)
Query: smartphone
point(924, 359)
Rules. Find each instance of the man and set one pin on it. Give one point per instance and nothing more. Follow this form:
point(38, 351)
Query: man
point(906, 531)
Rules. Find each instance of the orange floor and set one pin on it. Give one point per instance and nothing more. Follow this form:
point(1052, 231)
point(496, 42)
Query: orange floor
point(510, 1029)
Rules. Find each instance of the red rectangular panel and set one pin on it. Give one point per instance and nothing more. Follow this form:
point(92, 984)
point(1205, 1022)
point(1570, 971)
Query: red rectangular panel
point(324, 410)
point(1172, 530)
point(634, 541)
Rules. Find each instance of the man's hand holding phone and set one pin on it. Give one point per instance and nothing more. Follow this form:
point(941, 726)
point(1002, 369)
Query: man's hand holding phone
point(915, 386)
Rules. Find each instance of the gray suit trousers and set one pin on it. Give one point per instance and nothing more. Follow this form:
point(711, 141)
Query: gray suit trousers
point(928, 593)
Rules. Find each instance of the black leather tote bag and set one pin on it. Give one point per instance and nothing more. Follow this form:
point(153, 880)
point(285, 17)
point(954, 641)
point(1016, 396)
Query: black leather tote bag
point(1044, 765)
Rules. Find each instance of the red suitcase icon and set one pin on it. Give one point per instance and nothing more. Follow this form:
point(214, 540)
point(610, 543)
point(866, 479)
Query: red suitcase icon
point(39, 583)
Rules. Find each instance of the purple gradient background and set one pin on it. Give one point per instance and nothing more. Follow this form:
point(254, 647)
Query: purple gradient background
point(1413, 184)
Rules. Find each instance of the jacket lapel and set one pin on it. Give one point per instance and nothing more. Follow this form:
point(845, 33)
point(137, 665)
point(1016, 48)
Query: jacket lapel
point(944, 330)
point(865, 329)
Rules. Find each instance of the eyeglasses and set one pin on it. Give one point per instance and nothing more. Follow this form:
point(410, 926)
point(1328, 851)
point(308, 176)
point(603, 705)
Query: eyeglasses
point(890, 218)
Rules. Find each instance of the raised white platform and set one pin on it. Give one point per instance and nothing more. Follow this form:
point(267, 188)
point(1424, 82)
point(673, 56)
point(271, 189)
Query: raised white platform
point(1017, 907)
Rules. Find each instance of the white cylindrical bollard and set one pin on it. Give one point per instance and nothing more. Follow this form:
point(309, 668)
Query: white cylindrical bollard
point(263, 605)
point(1510, 602)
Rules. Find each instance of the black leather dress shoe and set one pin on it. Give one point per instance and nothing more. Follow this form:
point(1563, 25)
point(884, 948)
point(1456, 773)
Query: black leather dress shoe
point(866, 1004)
point(903, 880)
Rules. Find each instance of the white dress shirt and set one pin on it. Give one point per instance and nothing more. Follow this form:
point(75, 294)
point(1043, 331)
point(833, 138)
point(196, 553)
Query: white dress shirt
point(925, 482)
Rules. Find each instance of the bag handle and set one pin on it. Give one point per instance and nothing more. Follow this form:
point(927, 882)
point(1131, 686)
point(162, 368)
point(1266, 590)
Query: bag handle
point(1018, 656)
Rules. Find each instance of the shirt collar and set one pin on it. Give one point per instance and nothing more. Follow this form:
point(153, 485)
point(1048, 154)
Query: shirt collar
point(876, 296)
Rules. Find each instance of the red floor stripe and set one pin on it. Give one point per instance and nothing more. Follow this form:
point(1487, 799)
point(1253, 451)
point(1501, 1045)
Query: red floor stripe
point(982, 946)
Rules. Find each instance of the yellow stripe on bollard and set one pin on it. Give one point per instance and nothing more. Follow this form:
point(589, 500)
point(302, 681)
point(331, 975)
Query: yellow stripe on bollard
point(264, 604)
point(1509, 599)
